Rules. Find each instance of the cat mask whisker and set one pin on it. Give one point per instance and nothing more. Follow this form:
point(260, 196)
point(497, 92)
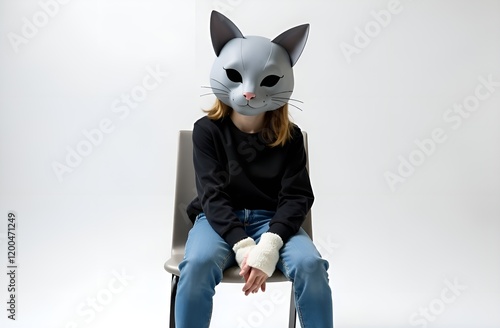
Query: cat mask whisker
point(277, 93)
point(300, 101)
point(215, 93)
point(220, 83)
point(281, 103)
point(207, 87)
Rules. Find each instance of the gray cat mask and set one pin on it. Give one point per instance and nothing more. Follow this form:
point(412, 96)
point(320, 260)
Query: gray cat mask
point(253, 74)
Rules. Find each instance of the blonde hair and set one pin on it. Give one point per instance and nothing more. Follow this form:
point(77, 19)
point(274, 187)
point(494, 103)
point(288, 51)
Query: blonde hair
point(277, 125)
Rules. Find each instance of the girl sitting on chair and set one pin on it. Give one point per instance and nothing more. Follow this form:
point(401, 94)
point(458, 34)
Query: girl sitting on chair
point(252, 183)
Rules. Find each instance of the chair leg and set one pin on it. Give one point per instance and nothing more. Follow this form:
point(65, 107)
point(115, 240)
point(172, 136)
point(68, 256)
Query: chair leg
point(292, 321)
point(173, 294)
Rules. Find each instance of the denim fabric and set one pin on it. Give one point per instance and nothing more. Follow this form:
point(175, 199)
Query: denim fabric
point(208, 255)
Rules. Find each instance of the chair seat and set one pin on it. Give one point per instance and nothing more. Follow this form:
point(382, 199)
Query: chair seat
point(231, 275)
point(172, 264)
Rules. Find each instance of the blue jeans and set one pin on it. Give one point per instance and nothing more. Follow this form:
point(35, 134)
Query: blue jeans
point(208, 255)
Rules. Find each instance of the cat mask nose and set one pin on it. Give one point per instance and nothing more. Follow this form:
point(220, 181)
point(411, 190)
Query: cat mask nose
point(248, 95)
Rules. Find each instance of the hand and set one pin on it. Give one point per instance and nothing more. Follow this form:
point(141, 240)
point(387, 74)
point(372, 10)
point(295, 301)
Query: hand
point(242, 248)
point(254, 278)
point(265, 255)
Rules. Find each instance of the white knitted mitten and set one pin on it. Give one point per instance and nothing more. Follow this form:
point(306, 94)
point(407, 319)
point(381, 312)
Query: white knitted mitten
point(265, 255)
point(242, 248)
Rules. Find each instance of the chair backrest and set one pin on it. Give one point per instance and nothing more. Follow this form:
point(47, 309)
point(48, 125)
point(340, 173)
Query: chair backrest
point(185, 191)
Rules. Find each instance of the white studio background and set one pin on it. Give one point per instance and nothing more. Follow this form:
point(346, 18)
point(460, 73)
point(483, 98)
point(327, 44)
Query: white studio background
point(401, 103)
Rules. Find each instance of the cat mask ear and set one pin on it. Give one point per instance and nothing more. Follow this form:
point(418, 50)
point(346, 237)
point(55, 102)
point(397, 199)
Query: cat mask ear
point(222, 30)
point(294, 41)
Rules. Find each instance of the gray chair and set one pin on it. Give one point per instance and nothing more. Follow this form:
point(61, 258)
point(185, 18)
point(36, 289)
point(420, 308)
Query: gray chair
point(185, 191)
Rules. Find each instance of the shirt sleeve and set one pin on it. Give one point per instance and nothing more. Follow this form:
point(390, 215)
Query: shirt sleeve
point(296, 195)
point(212, 175)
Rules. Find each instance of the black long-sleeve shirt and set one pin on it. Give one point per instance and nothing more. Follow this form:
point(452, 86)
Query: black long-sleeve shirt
point(237, 170)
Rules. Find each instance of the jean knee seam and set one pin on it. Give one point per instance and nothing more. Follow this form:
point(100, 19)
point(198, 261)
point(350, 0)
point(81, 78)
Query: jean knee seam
point(287, 270)
point(295, 298)
point(297, 307)
point(223, 263)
